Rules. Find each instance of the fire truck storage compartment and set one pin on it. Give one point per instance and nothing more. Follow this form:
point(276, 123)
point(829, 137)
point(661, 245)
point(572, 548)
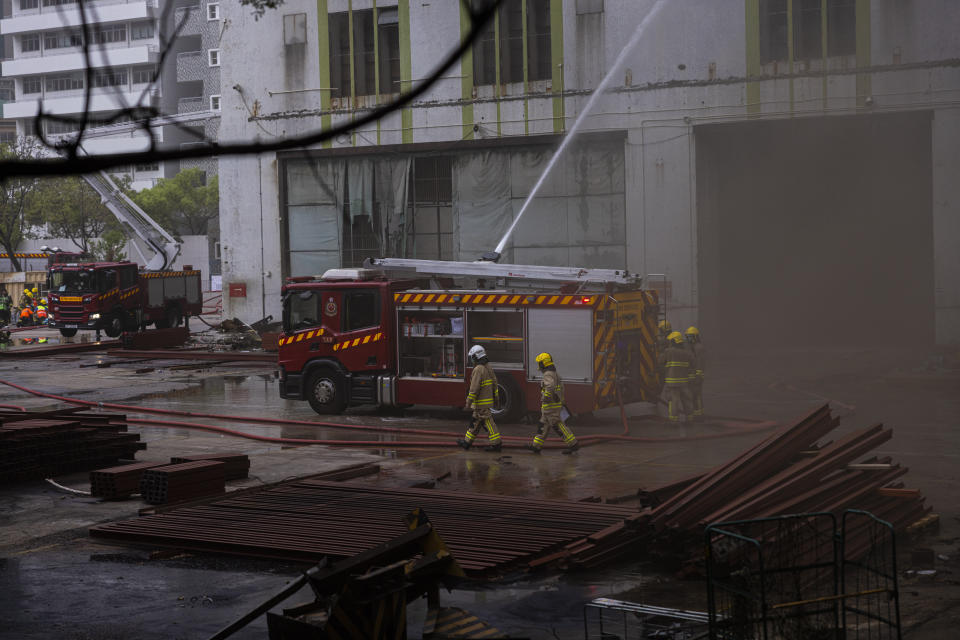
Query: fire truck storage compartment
point(430, 343)
point(500, 333)
point(165, 287)
point(567, 335)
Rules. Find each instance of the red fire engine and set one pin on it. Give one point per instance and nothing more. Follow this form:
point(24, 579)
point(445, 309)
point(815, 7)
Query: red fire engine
point(355, 336)
point(117, 296)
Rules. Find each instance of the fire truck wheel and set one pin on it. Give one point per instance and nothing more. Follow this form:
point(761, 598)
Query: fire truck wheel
point(68, 333)
point(511, 399)
point(114, 326)
point(325, 392)
point(174, 317)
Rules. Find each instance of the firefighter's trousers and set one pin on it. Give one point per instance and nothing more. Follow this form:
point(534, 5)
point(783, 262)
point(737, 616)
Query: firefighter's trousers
point(679, 401)
point(547, 422)
point(482, 418)
point(696, 395)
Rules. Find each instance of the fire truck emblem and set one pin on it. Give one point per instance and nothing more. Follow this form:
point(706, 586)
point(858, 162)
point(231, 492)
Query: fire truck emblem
point(330, 308)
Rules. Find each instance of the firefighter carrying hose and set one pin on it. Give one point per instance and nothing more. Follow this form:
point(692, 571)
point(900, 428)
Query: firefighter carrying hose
point(551, 407)
point(483, 391)
point(695, 374)
point(677, 361)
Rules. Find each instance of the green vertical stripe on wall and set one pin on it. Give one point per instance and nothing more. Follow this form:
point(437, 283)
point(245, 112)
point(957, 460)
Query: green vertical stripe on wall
point(526, 70)
point(496, 67)
point(752, 10)
point(466, 80)
point(376, 60)
point(323, 49)
point(824, 48)
point(864, 84)
point(353, 81)
point(556, 60)
point(406, 75)
point(790, 48)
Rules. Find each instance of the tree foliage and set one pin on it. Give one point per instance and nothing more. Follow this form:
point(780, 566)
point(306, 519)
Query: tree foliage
point(109, 248)
point(259, 6)
point(183, 205)
point(70, 208)
point(15, 195)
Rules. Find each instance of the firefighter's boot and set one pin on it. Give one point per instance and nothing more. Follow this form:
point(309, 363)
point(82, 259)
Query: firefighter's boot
point(494, 447)
point(464, 443)
point(572, 448)
point(532, 447)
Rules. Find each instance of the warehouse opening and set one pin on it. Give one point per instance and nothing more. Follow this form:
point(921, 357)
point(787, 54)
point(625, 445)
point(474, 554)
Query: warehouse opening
point(817, 231)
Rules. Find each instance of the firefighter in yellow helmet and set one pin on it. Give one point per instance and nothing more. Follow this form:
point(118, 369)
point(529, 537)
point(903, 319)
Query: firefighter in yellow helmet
point(695, 375)
point(677, 361)
point(551, 407)
point(480, 398)
point(663, 330)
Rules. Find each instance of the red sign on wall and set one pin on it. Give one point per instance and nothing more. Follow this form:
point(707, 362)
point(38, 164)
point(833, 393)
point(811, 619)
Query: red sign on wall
point(238, 289)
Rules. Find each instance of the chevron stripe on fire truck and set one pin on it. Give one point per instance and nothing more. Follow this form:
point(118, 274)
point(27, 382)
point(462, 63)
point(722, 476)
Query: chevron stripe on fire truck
point(130, 293)
point(302, 335)
point(492, 299)
point(167, 274)
point(356, 342)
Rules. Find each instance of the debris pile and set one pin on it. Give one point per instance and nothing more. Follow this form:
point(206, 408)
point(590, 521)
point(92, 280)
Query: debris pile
point(37, 445)
point(180, 482)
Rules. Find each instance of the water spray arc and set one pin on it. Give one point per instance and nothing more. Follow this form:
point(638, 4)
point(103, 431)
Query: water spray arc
point(601, 88)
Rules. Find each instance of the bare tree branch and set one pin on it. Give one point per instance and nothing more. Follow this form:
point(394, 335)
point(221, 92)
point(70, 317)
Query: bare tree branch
point(480, 12)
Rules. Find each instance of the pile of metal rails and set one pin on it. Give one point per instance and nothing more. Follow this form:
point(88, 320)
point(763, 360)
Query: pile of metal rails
point(36, 445)
point(790, 472)
point(311, 519)
point(236, 466)
point(181, 482)
point(116, 483)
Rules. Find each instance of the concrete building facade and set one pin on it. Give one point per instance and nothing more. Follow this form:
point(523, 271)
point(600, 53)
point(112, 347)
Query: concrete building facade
point(783, 171)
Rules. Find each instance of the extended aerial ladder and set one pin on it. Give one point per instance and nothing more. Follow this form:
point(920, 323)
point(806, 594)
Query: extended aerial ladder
point(514, 275)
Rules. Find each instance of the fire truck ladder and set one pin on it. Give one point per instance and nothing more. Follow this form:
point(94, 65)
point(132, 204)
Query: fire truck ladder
point(518, 273)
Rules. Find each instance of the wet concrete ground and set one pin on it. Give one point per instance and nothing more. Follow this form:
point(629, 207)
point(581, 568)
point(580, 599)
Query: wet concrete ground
point(56, 582)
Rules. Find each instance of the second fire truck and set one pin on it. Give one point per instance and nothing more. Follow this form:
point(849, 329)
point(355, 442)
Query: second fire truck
point(357, 336)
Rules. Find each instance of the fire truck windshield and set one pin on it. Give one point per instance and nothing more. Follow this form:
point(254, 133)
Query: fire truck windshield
point(300, 311)
point(80, 281)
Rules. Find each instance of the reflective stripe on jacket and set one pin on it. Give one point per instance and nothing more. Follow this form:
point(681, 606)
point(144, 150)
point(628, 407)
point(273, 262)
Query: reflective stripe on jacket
point(678, 361)
point(483, 386)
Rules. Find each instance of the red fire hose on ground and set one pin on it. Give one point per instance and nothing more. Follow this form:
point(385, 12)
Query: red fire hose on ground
point(734, 427)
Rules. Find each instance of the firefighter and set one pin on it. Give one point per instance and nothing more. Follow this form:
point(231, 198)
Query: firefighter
point(661, 344)
point(26, 317)
point(677, 361)
point(695, 375)
point(25, 299)
point(6, 305)
point(42, 312)
point(483, 392)
point(551, 407)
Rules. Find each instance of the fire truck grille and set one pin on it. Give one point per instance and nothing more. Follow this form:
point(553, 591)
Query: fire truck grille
point(71, 312)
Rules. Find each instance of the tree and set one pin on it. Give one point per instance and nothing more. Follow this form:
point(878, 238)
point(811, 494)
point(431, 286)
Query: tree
point(109, 248)
point(15, 194)
point(183, 204)
point(70, 208)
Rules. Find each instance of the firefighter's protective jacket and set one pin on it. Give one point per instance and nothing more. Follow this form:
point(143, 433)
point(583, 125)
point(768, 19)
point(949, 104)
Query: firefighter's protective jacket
point(678, 363)
point(551, 395)
point(483, 387)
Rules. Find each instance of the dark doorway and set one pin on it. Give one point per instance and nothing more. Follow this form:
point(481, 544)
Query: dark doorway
point(817, 231)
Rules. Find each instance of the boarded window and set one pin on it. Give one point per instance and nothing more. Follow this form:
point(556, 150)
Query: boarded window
point(295, 28)
point(375, 48)
point(506, 37)
point(805, 19)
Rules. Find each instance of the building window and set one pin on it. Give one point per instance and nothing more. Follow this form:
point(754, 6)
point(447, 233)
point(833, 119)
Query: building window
point(431, 198)
point(141, 30)
point(29, 4)
point(214, 103)
point(213, 11)
point(30, 42)
point(512, 42)
point(804, 19)
point(57, 3)
point(32, 85)
point(7, 93)
point(143, 75)
point(368, 37)
point(295, 28)
point(64, 82)
point(153, 166)
point(213, 57)
point(62, 40)
point(110, 78)
point(54, 127)
point(108, 34)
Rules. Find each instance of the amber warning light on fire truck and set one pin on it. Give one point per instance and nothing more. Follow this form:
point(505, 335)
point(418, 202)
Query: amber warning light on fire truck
point(356, 336)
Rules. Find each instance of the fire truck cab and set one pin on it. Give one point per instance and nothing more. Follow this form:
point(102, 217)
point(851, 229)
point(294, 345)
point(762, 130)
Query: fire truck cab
point(357, 337)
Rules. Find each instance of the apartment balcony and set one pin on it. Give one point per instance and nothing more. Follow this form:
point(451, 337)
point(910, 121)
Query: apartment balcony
point(69, 102)
point(189, 17)
point(191, 66)
point(57, 17)
point(191, 105)
point(74, 61)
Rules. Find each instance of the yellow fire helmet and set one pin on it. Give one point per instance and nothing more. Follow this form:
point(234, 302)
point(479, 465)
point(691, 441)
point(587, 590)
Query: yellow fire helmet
point(664, 326)
point(544, 360)
point(676, 337)
point(692, 331)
